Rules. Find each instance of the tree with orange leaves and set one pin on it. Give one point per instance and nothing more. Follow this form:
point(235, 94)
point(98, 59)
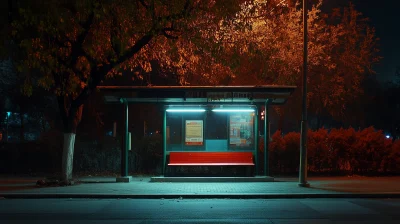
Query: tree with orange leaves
point(77, 44)
point(342, 50)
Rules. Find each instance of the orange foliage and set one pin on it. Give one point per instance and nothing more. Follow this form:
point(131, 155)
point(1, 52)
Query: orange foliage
point(342, 48)
point(318, 149)
point(336, 151)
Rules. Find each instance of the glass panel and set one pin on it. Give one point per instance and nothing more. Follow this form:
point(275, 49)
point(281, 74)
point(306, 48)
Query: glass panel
point(180, 138)
point(217, 126)
point(174, 128)
point(213, 131)
point(217, 132)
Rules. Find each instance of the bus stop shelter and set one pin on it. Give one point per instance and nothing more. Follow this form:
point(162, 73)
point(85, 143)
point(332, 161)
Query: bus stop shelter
point(203, 118)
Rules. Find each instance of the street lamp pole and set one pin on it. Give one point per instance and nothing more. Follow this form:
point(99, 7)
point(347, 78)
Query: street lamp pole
point(303, 137)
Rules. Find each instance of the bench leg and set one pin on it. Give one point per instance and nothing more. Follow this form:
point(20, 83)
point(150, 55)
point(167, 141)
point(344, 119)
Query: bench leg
point(170, 171)
point(248, 171)
point(173, 171)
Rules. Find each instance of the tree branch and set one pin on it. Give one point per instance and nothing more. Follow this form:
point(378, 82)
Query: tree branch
point(113, 32)
point(186, 10)
point(147, 38)
point(77, 47)
point(164, 32)
point(81, 98)
point(134, 49)
point(97, 76)
point(64, 63)
point(101, 73)
point(152, 9)
point(144, 4)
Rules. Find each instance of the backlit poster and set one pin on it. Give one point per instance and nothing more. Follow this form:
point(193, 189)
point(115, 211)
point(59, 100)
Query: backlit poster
point(194, 132)
point(241, 129)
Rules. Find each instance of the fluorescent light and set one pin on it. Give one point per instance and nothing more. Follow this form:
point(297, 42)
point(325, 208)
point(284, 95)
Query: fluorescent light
point(186, 110)
point(232, 110)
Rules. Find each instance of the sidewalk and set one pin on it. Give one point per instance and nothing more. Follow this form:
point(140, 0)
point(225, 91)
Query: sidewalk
point(141, 187)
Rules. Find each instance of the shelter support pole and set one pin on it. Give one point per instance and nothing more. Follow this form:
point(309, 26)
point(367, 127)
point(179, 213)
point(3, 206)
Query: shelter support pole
point(124, 157)
point(256, 142)
point(125, 146)
point(164, 142)
point(266, 139)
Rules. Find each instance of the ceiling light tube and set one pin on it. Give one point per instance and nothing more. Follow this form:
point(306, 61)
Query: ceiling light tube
point(233, 110)
point(184, 110)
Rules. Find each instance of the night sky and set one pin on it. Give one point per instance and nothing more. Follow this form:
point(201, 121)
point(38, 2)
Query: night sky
point(384, 15)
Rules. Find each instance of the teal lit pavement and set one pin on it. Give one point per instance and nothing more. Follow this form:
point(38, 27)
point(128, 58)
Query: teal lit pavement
point(141, 187)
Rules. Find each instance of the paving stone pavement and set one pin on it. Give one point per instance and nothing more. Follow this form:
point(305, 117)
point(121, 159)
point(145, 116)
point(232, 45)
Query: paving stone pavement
point(143, 186)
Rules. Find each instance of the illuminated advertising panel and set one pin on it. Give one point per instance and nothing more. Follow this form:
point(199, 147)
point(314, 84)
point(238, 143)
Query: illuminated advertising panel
point(194, 132)
point(241, 129)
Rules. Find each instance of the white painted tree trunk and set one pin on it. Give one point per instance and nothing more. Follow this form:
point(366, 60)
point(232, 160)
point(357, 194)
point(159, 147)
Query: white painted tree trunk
point(68, 156)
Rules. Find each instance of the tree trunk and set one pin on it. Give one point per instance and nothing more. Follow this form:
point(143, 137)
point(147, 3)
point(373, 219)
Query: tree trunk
point(71, 119)
point(68, 156)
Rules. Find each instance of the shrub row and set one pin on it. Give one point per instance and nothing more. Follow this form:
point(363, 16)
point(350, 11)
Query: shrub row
point(44, 156)
point(337, 151)
point(145, 156)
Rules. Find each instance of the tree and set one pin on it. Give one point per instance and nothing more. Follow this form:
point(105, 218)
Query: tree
point(352, 61)
point(342, 50)
point(77, 44)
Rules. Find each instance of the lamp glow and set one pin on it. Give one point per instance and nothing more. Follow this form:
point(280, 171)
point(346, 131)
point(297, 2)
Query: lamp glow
point(387, 136)
point(189, 110)
point(232, 110)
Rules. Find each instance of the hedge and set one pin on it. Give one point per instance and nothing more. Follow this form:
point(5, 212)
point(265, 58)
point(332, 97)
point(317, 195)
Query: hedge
point(334, 151)
point(44, 156)
point(337, 151)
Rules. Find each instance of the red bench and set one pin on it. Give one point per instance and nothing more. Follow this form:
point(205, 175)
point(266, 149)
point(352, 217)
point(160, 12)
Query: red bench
point(214, 159)
point(211, 159)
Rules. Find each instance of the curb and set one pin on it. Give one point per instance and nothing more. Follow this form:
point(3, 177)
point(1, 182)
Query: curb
point(197, 196)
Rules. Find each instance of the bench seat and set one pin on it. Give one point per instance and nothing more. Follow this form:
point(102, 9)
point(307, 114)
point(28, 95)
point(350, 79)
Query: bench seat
point(211, 159)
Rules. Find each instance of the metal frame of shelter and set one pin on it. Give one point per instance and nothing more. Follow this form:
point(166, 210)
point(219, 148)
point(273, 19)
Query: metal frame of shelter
point(171, 96)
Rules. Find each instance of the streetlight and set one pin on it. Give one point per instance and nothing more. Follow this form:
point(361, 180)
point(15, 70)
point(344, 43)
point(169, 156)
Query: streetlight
point(8, 116)
point(303, 137)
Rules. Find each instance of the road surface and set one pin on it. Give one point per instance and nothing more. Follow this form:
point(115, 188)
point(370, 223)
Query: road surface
point(204, 211)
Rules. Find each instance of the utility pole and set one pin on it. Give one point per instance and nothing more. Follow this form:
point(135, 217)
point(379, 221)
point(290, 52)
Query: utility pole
point(303, 137)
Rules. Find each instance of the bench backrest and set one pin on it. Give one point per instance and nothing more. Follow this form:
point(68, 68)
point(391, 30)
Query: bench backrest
point(211, 158)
